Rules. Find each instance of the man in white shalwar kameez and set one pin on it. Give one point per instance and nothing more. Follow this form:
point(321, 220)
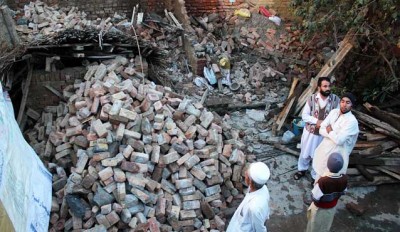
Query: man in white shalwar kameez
point(340, 132)
point(254, 210)
point(314, 112)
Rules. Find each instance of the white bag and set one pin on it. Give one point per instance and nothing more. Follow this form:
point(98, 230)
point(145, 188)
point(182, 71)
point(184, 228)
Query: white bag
point(25, 184)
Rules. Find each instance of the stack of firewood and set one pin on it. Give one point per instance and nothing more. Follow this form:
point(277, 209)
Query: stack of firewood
point(376, 156)
point(126, 153)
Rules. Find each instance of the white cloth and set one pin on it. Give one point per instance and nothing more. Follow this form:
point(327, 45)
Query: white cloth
point(341, 139)
point(252, 212)
point(309, 141)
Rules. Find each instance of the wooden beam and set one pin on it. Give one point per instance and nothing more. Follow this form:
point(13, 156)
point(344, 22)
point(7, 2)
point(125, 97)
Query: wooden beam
point(375, 136)
point(10, 25)
point(286, 149)
point(360, 181)
point(375, 161)
point(204, 97)
point(375, 124)
point(25, 93)
point(284, 113)
point(175, 20)
point(293, 87)
point(55, 92)
point(386, 171)
point(382, 115)
point(364, 172)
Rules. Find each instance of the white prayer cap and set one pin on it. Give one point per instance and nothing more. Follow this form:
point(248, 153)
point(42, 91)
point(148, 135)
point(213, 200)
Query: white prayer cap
point(259, 172)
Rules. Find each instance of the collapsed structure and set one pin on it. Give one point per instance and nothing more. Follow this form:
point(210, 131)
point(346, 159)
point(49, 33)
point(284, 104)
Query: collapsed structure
point(139, 155)
point(126, 153)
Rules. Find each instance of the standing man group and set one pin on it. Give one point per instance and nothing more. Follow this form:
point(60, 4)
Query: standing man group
point(328, 139)
point(315, 111)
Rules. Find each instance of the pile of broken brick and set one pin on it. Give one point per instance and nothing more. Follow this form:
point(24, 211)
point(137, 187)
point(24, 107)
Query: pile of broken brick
point(128, 154)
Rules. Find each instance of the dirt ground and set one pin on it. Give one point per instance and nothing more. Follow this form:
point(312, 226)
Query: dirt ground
point(382, 206)
point(288, 196)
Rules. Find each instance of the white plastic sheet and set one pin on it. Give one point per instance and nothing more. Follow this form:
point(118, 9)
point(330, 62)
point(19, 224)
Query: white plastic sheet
point(25, 184)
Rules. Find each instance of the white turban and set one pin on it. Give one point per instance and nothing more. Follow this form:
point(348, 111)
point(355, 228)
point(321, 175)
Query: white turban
point(259, 172)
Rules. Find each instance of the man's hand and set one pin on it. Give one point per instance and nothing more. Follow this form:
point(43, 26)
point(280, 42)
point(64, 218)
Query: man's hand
point(328, 129)
point(318, 125)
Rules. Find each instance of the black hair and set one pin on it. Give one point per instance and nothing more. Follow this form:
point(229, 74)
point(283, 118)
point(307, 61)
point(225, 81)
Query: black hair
point(351, 97)
point(323, 79)
point(256, 185)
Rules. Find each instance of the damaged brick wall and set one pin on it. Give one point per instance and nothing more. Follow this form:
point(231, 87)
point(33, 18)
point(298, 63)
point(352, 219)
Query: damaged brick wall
point(39, 96)
point(200, 7)
point(100, 8)
point(280, 6)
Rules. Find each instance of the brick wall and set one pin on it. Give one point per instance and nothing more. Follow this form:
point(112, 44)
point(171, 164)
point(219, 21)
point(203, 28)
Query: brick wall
point(280, 6)
point(97, 8)
point(199, 7)
point(105, 8)
point(39, 96)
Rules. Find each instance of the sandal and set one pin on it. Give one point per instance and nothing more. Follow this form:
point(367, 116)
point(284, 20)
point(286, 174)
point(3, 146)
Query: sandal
point(299, 175)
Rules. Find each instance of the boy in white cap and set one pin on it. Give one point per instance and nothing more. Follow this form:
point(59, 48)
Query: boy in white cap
point(254, 209)
point(325, 194)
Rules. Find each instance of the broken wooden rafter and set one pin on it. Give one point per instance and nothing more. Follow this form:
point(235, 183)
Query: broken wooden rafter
point(284, 113)
point(376, 124)
point(360, 181)
point(55, 92)
point(382, 115)
point(25, 93)
point(286, 149)
point(175, 20)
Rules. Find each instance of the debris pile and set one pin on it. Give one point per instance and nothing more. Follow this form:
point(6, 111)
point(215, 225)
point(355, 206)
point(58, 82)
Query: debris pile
point(126, 153)
point(376, 156)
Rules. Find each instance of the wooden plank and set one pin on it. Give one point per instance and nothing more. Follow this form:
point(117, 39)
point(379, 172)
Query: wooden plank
point(360, 181)
point(375, 161)
point(366, 144)
point(168, 17)
point(327, 69)
point(390, 173)
point(293, 87)
point(389, 145)
point(364, 172)
point(382, 115)
point(375, 136)
point(376, 124)
point(25, 93)
point(204, 97)
point(55, 92)
point(175, 20)
point(284, 113)
point(286, 149)
point(10, 25)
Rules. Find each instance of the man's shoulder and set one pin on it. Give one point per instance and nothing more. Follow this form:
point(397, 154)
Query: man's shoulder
point(352, 117)
point(334, 111)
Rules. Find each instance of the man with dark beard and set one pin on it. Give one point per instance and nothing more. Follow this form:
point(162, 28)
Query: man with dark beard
point(340, 132)
point(314, 112)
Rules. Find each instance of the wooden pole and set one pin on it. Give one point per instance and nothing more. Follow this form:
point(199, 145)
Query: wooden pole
point(25, 93)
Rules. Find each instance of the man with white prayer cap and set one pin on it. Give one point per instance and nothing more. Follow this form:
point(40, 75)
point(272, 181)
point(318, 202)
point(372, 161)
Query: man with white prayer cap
point(254, 209)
